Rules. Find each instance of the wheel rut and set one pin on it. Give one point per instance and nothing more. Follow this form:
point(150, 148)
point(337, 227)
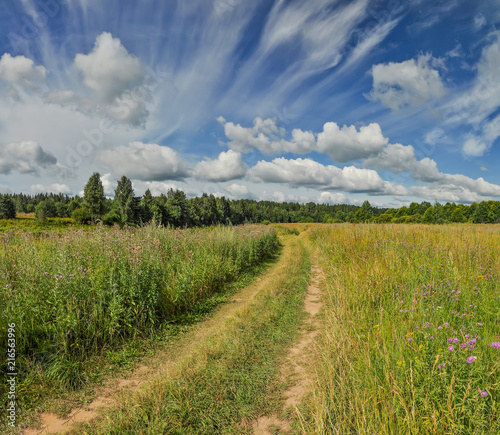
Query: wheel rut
point(298, 361)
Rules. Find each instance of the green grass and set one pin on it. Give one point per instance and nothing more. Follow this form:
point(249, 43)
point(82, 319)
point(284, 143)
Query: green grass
point(397, 299)
point(234, 376)
point(77, 296)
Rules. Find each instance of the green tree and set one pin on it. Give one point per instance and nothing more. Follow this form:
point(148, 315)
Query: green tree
point(146, 205)
point(7, 207)
point(93, 197)
point(364, 213)
point(124, 200)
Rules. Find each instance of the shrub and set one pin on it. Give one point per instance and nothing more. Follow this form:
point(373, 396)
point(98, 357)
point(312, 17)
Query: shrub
point(81, 216)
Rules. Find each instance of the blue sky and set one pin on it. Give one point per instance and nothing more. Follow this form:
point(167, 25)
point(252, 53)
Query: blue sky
point(326, 101)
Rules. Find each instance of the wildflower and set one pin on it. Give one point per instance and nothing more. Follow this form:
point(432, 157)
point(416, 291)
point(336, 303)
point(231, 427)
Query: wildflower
point(376, 326)
point(483, 393)
point(447, 324)
point(479, 324)
point(440, 327)
point(471, 359)
point(399, 363)
point(410, 339)
point(495, 344)
point(431, 338)
point(451, 349)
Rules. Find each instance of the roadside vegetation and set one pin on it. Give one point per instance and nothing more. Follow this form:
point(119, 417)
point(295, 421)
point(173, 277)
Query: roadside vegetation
point(411, 340)
point(76, 295)
point(233, 376)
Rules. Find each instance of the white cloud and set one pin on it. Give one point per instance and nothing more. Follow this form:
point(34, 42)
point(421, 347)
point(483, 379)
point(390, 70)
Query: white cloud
point(342, 144)
point(307, 172)
point(237, 190)
point(400, 158)
point(53, 188)
point(20, 70)
point(332, 198)
point(146, 162)
point(157, 188)
point(26, 157)
point(475, 146)
point(228, 166)
point(109, 185)
point(346, 143)
point(109, 69)
point(409, 83)
point(483, 96)
point(115, 77)
point(447, 193)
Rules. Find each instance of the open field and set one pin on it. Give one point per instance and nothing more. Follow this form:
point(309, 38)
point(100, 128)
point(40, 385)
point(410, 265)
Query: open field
point(405, 339)
point(78, 294)
point(410, 316)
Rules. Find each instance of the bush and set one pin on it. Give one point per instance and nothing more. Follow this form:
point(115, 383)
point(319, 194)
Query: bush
point(81, 216)
point(111, 218)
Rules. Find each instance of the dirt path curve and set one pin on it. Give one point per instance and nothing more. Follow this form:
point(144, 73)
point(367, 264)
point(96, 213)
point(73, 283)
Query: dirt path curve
point(164, 362)
point(299, 358)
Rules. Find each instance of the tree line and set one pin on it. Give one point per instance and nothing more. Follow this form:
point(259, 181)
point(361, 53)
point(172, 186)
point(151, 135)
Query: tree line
point(175, 209)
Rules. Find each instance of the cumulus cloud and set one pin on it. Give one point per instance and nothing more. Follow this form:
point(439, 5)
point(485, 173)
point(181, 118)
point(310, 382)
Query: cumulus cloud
point(400, 158)
point(26, 157)
point(20, 70)
point(447, 193)
point(237, 190)
point(146, 162)
point(158, 187)
point(346, 143)
point(53, 188)
point(109, 69)
point(115, 77)
point(341, 143)
point(332, 198)
point(228, 166)
point(409, 83)
point(307, 172)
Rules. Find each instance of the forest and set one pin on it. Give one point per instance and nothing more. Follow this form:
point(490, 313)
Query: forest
point(177, 210)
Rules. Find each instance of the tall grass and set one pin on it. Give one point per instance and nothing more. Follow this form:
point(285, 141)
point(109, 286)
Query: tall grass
point(411, 330)
point(75, 294)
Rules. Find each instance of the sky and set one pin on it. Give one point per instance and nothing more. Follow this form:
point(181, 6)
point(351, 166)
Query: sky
point(330, 101)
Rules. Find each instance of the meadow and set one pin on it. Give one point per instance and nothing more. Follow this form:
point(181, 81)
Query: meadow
point(411, 340)
point(76, 294)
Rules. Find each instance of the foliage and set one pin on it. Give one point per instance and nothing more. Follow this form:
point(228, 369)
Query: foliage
point(76, 293)
point(81, 215)
point(124, 199)
point(7, 208)
point(93, 197)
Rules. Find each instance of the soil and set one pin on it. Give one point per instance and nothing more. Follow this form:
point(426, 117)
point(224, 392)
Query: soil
point(298, 360)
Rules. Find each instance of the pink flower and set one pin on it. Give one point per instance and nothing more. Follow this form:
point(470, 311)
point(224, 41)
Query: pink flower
point(451, 349)
point(471, 359)
point(483, 393)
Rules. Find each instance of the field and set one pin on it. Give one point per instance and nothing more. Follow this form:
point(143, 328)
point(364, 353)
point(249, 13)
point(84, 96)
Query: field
point(411, 330)
point(407, 339)
point(76, 294)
